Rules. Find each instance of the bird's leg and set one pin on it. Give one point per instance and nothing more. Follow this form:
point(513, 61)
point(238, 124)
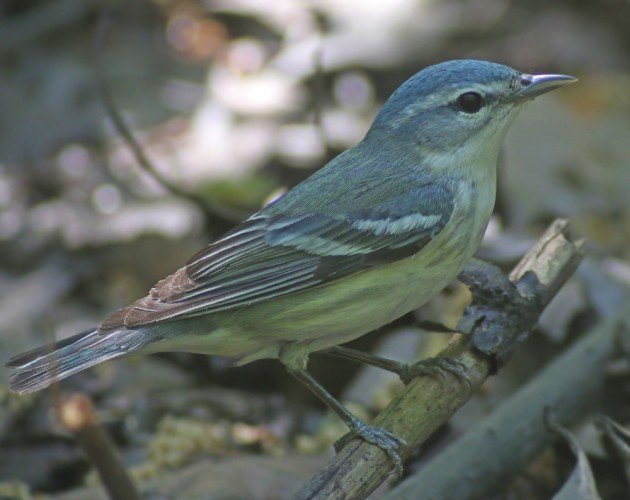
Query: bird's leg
point(406, 371)
point(432, 326)
point(377, 436)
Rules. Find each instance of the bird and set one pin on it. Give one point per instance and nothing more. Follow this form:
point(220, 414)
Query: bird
point(371, 236)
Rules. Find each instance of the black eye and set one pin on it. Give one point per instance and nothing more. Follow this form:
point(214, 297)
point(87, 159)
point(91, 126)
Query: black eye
point(470, 102)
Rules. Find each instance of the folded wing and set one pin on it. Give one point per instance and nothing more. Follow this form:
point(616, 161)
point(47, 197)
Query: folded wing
point(273, 255)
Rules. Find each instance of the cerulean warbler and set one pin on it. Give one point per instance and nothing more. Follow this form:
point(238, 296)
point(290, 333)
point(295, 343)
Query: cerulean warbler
point(369, 237)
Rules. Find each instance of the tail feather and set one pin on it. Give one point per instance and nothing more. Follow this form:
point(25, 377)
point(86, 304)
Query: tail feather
point(33, 355)
point(39, 368)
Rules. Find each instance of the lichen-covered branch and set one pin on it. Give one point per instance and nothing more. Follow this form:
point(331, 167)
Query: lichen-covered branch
point(505, 442)
point(427, 402)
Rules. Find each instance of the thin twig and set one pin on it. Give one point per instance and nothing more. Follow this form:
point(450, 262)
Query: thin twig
point(318, 101)
point(426, 403)
point(211, 210)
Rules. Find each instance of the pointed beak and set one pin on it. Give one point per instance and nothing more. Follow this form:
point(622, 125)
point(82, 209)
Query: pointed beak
point(535, 85)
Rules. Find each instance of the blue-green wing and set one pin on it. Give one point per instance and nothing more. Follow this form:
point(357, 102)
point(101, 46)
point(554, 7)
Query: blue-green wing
point(272, 254)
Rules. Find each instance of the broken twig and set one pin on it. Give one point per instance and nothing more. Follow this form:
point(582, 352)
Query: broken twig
point(77, 415)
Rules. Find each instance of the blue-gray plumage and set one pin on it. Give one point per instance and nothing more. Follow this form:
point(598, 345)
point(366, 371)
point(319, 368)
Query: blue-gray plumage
point(366, 239)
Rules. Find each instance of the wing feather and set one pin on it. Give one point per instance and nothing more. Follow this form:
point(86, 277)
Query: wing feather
point(270, 255)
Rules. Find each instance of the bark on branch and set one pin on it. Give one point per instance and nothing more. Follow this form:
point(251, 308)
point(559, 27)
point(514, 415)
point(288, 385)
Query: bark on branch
point(500, 318)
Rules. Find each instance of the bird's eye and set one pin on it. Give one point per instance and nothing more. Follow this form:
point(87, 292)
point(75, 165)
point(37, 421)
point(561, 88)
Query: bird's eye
point(470, 102)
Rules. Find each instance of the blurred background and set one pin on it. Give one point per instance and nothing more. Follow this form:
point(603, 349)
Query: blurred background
point(233, 102)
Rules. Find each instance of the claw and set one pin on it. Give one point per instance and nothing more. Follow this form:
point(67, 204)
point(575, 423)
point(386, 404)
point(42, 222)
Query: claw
point(385, 440)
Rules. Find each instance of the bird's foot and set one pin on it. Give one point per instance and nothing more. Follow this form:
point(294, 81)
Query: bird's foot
point(435, 366)
point(385, 440)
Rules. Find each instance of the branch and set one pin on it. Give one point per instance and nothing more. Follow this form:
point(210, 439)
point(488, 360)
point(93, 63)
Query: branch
point(212, 211)
point(318, 98)
point(505, 442)
point(427, 403)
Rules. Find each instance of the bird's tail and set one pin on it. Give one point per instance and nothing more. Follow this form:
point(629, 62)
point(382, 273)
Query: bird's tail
point(39, 368)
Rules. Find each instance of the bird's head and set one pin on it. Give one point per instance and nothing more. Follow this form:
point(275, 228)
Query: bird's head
point(461, 107)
